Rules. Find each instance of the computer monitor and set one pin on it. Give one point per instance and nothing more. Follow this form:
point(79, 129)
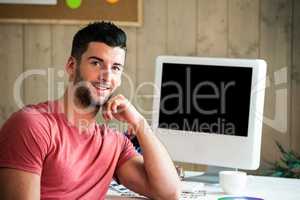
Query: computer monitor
point(210, 110)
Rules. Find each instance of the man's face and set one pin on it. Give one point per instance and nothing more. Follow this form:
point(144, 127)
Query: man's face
point(99, 73)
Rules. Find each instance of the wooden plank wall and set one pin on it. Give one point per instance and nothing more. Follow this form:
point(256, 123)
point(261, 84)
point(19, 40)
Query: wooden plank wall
point(151, 42)
point(212, 41)
point(243, 28)
point(11, 59)
point(275, 47)
point(268, 29)
point(295, 92)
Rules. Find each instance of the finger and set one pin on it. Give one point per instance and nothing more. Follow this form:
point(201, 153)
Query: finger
point(114, 106)
point(124, 105)
point(120, 96)
point(109, 110)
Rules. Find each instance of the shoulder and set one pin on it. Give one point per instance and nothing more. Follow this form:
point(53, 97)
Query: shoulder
point(30, 116)
point(33, 119)
point(25, 140)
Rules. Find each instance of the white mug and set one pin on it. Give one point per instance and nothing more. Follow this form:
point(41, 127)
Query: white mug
point(233, 182)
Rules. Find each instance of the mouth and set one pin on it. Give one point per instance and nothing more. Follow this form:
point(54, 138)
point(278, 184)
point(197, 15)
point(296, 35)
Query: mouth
point(101, 87)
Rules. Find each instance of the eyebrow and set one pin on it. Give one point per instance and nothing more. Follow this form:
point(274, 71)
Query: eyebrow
point(101, 60)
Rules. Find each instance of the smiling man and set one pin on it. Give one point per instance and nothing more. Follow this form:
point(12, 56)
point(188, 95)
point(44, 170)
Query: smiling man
point(57, 150)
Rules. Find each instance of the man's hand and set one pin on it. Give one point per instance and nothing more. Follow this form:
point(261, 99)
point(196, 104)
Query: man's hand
point(119, 108)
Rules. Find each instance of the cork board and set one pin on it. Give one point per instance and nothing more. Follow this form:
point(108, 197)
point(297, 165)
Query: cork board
point(124, 12)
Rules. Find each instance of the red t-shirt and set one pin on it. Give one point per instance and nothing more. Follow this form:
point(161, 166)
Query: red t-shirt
point(72, 164)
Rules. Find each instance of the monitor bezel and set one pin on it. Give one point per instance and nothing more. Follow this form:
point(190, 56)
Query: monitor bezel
point(232, 151)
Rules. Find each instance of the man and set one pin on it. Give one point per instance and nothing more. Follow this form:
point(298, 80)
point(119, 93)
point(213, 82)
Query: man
point(56, 150)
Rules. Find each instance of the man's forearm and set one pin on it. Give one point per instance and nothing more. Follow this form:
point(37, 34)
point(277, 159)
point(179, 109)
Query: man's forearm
point(159, 167)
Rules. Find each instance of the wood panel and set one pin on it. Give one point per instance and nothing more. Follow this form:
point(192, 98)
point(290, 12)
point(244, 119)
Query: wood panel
point(151, 42)
point(181, 31)
point(37, 58)
point(62, 37)
point(275, 48)
point(295, 93)
point(128, 85)
point(212, 26)
point(11, 59)
point(243, 28)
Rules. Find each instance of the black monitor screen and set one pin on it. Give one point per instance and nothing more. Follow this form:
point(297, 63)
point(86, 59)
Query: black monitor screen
point(202, 98)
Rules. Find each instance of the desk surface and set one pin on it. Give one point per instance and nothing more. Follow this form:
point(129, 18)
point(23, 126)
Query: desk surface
point(268, 188)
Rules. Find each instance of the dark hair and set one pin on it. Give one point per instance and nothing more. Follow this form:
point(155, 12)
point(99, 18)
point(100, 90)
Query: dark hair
point(105, 32)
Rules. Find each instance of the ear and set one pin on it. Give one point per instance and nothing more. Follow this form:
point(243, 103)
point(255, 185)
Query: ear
point(70, 68)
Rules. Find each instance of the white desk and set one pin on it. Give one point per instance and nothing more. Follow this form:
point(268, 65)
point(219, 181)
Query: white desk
point(268, 188)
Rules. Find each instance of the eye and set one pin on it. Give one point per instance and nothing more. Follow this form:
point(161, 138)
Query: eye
point(116, 68)
point(96, 63)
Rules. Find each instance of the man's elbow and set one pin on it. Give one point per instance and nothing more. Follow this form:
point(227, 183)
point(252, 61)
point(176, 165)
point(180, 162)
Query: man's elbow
point(175, 194)
point(170, 194)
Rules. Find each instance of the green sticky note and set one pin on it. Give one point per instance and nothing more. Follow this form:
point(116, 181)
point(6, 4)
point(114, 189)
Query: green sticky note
point(73, 4)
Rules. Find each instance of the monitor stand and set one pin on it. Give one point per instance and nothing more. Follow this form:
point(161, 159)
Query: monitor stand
point(211, 176)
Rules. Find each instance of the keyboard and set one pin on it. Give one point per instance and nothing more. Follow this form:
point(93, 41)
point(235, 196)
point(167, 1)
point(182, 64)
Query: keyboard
point(190, 191)
point(191, 187)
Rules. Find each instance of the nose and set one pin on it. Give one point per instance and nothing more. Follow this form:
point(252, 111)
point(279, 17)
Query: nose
point(105, 74)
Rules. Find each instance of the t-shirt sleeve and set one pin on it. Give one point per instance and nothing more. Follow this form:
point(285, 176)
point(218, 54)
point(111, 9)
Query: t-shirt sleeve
point(128, 151)
point(24, 142)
